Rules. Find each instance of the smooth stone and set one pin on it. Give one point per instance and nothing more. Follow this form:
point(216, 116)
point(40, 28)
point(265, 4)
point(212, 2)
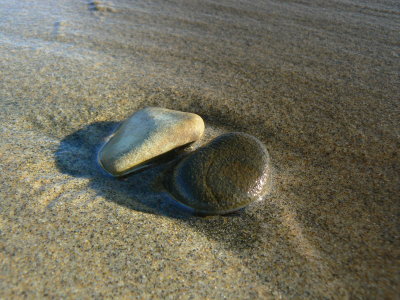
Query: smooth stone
point(146, 135)
point(226, 175)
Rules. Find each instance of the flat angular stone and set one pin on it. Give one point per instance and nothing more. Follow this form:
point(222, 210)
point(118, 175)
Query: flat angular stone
point(227, 174)
point(146, 135)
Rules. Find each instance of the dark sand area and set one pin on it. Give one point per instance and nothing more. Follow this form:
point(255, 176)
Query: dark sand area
point(317, 81)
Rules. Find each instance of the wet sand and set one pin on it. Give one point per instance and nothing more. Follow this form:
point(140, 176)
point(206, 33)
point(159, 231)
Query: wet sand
point(317, 82)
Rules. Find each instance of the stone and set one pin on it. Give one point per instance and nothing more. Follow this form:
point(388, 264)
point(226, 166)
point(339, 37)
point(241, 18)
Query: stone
point(146, 135)
point(226, 175)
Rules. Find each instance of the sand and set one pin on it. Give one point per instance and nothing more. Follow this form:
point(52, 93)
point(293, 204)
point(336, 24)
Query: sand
point(316, 81)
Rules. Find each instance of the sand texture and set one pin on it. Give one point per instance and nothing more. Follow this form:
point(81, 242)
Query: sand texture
point(316, 81)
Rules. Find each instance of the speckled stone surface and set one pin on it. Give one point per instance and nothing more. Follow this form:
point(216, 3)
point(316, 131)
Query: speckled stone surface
point(316, 81)
point(147, 134)
point(227, 174)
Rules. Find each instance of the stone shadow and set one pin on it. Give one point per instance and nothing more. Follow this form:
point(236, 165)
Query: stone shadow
point(77, 156)
point(143, 191)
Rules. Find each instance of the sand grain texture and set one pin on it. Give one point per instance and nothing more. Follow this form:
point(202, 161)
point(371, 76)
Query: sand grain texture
point(316, 82)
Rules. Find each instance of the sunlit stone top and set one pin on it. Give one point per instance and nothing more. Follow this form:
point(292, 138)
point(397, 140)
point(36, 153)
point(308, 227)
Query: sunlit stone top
point(147, 134)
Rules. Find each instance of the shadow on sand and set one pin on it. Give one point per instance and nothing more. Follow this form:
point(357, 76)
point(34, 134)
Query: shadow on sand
point(143, 191)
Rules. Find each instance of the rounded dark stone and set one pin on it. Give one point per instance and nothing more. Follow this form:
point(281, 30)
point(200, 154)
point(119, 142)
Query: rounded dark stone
point(223, 176)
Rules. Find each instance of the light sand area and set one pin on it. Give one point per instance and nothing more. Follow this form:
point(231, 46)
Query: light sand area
point(316, 81)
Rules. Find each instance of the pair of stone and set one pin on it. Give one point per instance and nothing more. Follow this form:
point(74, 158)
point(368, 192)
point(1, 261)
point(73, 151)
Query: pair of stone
point(223, 176)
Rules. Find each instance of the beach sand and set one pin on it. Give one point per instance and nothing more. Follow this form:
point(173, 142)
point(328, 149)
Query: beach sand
point(316, 81)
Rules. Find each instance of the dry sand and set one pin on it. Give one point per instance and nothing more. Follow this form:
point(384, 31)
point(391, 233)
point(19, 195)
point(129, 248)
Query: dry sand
point(317, 81)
